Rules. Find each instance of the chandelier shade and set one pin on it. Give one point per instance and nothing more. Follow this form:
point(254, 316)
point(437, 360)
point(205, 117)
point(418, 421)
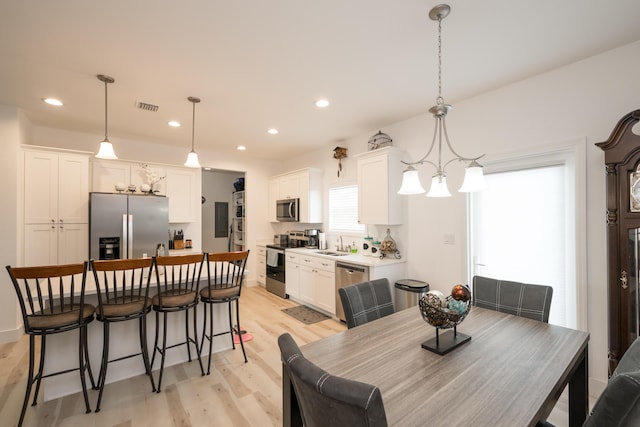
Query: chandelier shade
point(474, 178)
point(106, 148)
point(192, 157)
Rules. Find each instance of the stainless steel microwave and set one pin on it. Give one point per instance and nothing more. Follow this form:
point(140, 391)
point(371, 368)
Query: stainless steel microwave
point(288, 210)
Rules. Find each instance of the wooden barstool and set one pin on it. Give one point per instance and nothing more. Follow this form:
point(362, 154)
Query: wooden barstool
point(225, 274)
point(123, 294)
point(52, 301)
point(178, 280)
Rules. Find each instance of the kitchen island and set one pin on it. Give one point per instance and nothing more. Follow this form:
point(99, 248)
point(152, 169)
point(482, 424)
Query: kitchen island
point(63, 354)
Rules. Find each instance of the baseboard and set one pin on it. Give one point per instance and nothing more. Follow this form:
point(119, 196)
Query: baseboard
point(596, 387)
point(11, 335)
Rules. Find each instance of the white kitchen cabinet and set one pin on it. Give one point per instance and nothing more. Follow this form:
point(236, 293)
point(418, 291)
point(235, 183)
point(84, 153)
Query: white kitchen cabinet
point(379, 179)
point(261, 262)
point(56, 206)
point(56, 187)
point(107, 173)
point(292, 275)
point(49, 244)
point(183, 190)
point(305, 185)
point(317, 282)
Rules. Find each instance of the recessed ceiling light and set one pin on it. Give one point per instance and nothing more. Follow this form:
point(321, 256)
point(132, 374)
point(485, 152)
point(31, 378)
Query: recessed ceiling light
point(272, 131)
point(53, 101)
point(241, 148)
point(174, 124)
point(322, 103)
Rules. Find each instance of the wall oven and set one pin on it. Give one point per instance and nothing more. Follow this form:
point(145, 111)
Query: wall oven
point(275, 271)
point(288, 210)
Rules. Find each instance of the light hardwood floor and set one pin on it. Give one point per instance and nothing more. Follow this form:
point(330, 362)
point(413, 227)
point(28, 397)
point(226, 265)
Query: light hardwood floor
point(235, 394)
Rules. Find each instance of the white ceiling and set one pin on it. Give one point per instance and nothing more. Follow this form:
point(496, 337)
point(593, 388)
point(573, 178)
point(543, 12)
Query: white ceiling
point(258, 64)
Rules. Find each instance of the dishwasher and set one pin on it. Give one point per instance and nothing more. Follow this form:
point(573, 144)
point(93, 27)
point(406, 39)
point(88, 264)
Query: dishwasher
point(348, 274)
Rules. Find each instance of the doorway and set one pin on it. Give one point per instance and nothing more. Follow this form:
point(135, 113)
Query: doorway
point(220, 226)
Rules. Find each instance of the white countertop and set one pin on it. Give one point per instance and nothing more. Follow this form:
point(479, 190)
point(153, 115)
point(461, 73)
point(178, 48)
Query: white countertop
point(357, 258)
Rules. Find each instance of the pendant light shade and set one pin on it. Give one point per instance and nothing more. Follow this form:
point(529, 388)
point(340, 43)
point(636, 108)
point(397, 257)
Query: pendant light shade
point(192, 158)
point(474, 179)
point(439, 187)
point(411, 182)
point(106, 148)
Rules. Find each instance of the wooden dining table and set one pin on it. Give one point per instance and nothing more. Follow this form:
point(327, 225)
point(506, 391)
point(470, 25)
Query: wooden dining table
point(511, 372)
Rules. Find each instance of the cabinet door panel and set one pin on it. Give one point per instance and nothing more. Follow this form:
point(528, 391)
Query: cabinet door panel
point(106, 174)
point(183, 191)
point(73, 189)
point(307, 282)
point(40, 188)
point(73, 241)
point(325, 285)
point(40, 244)
point(293, 280)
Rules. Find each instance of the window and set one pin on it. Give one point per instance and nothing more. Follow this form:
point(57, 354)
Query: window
point(528, 227)
point(343, 209)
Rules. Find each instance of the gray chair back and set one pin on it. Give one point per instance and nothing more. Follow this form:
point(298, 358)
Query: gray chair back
point(619, 403)
point(327, 400)
point(366, 301)
point(521, 299)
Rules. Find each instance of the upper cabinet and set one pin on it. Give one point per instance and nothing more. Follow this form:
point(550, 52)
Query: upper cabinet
point(108, 173)
point(181, 185)
point(305, 185)
point(56, 187)
point(184, 193)
point(379, 178)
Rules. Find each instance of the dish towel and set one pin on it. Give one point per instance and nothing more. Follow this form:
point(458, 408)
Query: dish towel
point(272, 258)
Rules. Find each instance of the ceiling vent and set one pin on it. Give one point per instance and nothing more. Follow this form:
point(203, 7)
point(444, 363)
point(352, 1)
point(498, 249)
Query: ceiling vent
point(146, 106)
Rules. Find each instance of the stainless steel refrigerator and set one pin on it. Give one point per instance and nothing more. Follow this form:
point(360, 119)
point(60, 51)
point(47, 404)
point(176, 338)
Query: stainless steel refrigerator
point(126, 225)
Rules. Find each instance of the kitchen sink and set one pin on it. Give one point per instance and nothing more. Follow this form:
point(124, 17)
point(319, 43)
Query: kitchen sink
point(332, 253)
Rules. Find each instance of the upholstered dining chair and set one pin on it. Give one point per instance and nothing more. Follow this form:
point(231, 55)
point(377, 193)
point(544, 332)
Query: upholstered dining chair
point(178, 281)
point(366, 301)
point(225, 274)
point(521, 299)
point(328, 400)
point(123, 294)
point(52, 301)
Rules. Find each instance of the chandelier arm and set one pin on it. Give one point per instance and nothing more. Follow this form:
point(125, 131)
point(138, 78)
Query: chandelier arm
point(458, 156)
point(424, 158)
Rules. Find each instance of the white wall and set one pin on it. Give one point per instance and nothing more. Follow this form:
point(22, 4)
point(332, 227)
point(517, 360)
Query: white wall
point(11, 134)
point(582, 100)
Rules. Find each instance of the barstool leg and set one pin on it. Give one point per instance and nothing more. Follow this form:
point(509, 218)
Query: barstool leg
point(239, 329)
point(155, 341)
point(144, 349)
point(210, 308)
point(105, 362)
point(204, 329)
point(88, 362)
point(38, 377)
point(233, 343)
point(195, 341)
point(32, 343)
point(164, 350)
point(186, 332)
point(82, 366)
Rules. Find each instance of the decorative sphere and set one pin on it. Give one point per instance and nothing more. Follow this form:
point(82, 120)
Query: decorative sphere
point(436, 298)
point(461, 293)
point(120, 186)
point(145, 188)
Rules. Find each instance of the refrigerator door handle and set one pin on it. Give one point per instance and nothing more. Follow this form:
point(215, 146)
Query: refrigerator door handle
point(125, 237)
point(130, 237)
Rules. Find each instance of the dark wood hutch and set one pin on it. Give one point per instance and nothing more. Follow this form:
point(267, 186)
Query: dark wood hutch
point(622, 164)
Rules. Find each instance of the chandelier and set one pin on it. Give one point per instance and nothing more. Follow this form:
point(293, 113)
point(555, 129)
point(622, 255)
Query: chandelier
point(473, 178)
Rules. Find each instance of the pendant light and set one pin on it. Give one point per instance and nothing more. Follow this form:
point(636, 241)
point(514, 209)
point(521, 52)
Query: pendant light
point(473, 179)
point(192, 158)
point(106, 148)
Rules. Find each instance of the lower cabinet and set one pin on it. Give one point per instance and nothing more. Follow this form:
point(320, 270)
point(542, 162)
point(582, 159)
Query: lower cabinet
point(261, 262)
point(314, 278)
point(49, 244)
point(292, 275)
